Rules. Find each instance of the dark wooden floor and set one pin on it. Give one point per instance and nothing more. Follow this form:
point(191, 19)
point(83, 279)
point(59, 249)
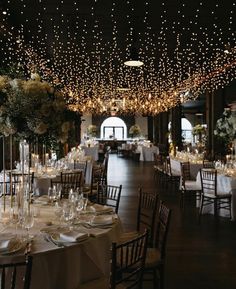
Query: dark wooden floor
point(199, 256)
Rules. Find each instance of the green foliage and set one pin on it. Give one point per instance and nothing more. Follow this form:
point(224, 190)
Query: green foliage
point(33, 109)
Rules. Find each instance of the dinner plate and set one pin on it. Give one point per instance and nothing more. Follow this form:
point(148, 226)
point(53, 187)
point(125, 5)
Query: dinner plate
point(14, 246)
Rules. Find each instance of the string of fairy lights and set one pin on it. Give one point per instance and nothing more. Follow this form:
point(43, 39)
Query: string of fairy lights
point(81, 49)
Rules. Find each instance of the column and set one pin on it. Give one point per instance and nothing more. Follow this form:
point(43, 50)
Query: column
point(176, 131)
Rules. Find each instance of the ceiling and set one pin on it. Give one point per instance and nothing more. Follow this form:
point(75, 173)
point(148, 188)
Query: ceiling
point(81, 45)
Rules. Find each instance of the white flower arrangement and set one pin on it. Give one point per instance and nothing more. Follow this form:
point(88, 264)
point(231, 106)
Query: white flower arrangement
point(199, 129)
point(135, 130)
point(92, 130)
point(226, 126)
point(30, 108)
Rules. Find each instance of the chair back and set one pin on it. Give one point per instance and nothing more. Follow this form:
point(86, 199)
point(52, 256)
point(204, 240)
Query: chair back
point(16, 275)
point(81, 165)
point(209, 181)
point(158, 160)
point(167, 166)
point(185, 173)
point(146, 214)
point(208, 164)
point(110, 195)
point(163, 224)
point(97, 173)
point(128, 261)
point(105, 168)
point(70, 181)
point(96, 182)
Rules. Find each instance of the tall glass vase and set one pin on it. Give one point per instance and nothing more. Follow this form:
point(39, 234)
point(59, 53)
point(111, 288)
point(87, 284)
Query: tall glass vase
point(24, 155)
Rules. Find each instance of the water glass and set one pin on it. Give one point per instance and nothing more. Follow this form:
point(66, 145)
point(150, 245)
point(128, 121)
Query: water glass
point(85, 198)
point(80, 204)
point(51, 194)
point(58, 190)
point(68, 212)
point(28, 220)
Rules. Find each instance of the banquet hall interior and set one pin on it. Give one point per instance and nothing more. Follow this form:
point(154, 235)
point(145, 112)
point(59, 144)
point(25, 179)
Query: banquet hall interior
point(118, 143)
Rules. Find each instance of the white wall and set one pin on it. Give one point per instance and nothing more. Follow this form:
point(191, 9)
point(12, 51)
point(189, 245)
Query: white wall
point(143, 124)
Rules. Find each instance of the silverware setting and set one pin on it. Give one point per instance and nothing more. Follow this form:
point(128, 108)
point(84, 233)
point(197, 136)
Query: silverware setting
point(49, 239)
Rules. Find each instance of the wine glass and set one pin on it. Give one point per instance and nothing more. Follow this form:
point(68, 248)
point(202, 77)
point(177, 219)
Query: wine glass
point(85, 199)
point(59, 210)
point(58, 190)
point(80, 204)
point(51, 194)
point(28, 221)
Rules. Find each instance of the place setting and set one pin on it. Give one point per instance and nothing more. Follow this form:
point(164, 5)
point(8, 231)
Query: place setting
point(62, 236)
point(10, 244)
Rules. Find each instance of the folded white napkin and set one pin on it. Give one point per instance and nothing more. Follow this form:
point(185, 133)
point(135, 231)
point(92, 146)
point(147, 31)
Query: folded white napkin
point(4, 245)
point(103, 220)
point(102, 209)
point(73, 236)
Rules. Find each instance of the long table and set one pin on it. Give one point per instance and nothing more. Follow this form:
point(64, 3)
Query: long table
point(176, 167)
point(147, 153)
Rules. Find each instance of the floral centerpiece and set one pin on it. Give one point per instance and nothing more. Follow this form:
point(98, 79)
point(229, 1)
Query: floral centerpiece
point(226, 126)
point(199, 133)
point(199, 129)
point(135, 130)
point(33, 108)
point(92, 130)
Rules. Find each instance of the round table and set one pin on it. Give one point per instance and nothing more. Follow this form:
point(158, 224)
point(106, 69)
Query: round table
point(69, 266)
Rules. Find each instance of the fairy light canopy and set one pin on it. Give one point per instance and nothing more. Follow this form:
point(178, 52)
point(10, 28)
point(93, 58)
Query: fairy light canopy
point(186, 46)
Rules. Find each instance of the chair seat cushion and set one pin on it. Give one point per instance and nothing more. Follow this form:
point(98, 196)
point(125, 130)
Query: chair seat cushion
point(153, 258)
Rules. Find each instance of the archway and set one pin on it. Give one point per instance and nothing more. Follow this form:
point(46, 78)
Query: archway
point(113, 127)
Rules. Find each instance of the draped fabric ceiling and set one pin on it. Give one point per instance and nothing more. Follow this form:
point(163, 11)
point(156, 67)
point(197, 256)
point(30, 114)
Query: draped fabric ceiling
point(80, 46)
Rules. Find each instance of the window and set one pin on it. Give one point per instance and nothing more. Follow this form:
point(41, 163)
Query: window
point(186, 130)
point(113, 127)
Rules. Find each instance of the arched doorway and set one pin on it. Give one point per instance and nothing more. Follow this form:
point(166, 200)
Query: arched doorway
point(113, 127)
point(186, 128)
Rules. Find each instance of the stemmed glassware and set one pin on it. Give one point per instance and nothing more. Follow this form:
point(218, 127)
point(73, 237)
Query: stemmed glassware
point(68, 213)
point(85, 199)
point(54, 193)
point(79, 204)
point(50, 194)
point(28, 221)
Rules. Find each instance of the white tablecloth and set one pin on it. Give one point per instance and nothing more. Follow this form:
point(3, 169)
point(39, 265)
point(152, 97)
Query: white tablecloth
point(91, 151)
point(176, 168)
point(67, 267)
point(225, 184)
point(146, 153)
